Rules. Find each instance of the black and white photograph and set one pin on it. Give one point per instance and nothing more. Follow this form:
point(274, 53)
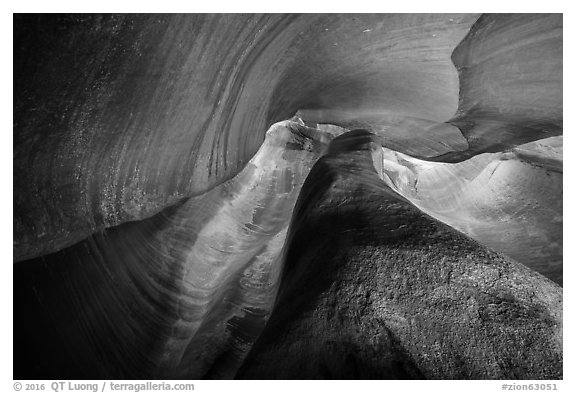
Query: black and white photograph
point(286, 196)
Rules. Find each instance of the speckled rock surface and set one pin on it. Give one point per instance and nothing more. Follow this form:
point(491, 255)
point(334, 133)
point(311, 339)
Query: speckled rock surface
point(398, 294)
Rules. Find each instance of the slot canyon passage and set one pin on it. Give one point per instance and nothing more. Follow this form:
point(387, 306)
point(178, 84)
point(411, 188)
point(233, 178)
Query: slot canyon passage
point(311, 196)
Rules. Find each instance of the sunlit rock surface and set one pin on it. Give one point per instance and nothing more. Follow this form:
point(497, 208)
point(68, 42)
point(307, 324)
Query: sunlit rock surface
point(154, 188)
point(511, 202)
point(398, 295)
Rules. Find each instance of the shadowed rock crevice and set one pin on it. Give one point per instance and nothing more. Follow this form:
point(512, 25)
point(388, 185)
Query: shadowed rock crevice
point(183, 294)
point(430, 301)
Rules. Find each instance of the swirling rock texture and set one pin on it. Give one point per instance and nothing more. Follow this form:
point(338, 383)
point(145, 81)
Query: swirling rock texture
point(180, 295)
point(155, 179)
point(505, 200)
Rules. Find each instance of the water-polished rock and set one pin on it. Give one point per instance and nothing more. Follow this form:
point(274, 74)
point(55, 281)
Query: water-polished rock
point(511, 202)
point(118, 116)
point(374, 288)
point(181, 295)
point(510, 70)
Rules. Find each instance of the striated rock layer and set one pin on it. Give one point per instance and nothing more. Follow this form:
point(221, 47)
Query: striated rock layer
point(118, 116)
point(397, 294)
point(180, 295)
